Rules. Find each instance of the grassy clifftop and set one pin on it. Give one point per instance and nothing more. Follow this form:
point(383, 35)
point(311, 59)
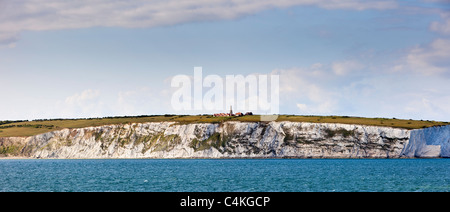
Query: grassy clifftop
point(29, 128)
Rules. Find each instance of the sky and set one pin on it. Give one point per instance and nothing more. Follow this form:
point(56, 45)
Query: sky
point(96, 58)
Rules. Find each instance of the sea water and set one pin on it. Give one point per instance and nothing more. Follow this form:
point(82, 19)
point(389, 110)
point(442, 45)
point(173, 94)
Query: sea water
point(212, 175)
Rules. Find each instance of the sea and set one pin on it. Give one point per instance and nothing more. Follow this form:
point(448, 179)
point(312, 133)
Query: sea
point(224, 175)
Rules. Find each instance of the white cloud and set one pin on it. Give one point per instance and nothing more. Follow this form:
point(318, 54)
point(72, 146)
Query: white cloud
point(323, 90)
point(437, 1)
point(94, 103)
point(84, 104)
point(345, 67)
point(8, 38)
point(311, 90)
point(357, 5)
point(430, 59)
point(83, 97)
point(34, 15)
point(302, 107)
point(443, 26)
point(141, 101)
point(427, 104)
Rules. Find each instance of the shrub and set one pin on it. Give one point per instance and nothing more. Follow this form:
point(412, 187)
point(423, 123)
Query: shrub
point(345, 133)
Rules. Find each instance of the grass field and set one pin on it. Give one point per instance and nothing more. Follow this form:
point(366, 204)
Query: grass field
point(29, 128)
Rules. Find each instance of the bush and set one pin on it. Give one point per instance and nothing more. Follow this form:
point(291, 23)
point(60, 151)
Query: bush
point(345, 133)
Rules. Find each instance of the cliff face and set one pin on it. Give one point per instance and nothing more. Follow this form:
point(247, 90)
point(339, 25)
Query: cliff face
point(429, 142)
point(232, 140)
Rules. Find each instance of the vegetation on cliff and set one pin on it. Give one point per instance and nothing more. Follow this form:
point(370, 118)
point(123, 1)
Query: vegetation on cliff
point(35, 127)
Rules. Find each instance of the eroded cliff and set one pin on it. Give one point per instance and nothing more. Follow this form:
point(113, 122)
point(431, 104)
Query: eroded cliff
point(232, 140)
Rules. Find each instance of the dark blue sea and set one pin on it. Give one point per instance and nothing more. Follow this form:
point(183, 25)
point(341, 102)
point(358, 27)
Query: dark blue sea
point(329, 175)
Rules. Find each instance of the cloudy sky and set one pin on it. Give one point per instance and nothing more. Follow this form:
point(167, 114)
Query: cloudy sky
point(94, 58)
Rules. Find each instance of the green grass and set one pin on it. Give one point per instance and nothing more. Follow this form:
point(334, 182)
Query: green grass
point(29, 128)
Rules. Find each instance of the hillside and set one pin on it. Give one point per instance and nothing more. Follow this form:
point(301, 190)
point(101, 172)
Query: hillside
point(35, 127)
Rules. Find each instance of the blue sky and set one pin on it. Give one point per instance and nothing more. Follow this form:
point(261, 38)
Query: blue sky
point(102, 58)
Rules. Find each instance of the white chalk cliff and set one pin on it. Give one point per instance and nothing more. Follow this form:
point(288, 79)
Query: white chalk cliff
point(232, 140)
